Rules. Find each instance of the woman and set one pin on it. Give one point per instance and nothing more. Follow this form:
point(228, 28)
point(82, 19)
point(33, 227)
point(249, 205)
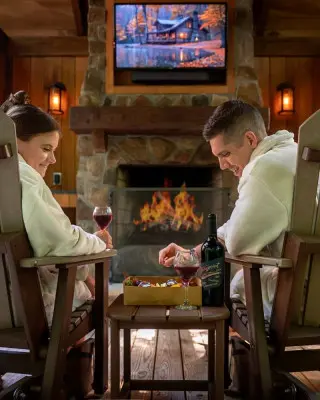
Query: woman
point(49, 229)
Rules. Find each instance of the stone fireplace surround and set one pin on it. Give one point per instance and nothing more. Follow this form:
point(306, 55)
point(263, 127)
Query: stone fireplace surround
point(158, 129)
point(109, 135)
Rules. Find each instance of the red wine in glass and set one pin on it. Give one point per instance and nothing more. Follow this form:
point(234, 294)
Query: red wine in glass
point(186, 272)
point(186, 263)
point(102, 216)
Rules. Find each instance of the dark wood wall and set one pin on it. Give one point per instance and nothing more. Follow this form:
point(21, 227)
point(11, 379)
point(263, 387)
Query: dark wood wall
point(303, 73)
point(35, 74)
point(5, 76)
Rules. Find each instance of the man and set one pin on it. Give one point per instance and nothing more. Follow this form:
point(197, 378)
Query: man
point(265, 166)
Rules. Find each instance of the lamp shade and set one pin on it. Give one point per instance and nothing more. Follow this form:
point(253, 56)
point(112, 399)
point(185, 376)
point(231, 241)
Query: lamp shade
point(286, 96)
point(56, 92)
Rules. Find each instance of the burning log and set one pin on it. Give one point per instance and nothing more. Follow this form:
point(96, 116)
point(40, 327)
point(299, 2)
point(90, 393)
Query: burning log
point(176, 215)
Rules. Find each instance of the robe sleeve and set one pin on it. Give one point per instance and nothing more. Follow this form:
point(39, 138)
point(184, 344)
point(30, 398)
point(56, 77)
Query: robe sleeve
point(49, 230)
point(257, 220)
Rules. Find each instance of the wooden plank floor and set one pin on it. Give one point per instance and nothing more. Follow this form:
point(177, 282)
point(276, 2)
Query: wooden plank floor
point(172, 354)
point(168, 354)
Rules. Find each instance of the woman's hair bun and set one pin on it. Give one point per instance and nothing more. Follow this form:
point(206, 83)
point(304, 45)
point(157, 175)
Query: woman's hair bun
point(17, 99)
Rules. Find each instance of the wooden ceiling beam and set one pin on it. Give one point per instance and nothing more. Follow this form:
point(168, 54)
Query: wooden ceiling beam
point(290, 47)
point(49, 46)
point(283, 23)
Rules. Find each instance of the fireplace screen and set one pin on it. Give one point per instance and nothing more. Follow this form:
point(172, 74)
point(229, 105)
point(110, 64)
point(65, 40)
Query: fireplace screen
point(147, 219)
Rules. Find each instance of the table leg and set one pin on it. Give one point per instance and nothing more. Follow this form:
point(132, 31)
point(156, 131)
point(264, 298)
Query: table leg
point(211, 364)
point(115, 360)
point(219, 360)
point(100, 384)
point(227, 378)
point(126, 355)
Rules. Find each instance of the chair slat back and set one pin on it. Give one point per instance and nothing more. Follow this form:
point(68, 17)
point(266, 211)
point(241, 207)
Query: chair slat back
point(10, 213)
point(20, 291)
point(311, 309)
point(306, 221)
point(10, 199)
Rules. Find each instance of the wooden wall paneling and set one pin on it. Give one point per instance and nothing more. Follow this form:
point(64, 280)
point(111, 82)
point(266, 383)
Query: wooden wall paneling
point(6, 67)
point(36, 91)
point(2, 77)
point(316, 83)
point(3, 65)
point(51, 74)
point(21, 76)
point(277, 76)
point(81, 68)
point(299, 72)
point(45, 46)
point(68, 142)
point(3, 68)
point(36, 74)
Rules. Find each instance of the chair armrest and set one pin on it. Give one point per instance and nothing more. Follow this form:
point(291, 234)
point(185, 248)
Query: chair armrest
point(66, 262)
point(258, 261)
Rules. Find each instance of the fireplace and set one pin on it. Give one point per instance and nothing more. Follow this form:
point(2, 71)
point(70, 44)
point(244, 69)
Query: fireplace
point(134, 146)
point(155, 205)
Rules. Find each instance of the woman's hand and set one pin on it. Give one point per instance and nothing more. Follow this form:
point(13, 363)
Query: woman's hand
point(166, 255)
point(106, 237)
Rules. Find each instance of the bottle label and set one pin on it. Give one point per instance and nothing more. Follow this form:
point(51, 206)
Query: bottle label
point(212, 273)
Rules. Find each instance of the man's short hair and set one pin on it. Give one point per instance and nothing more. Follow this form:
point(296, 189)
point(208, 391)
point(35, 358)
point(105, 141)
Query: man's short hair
point(232, 119)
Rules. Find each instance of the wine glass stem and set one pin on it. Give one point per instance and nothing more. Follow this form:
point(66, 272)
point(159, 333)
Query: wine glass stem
point(186, 300)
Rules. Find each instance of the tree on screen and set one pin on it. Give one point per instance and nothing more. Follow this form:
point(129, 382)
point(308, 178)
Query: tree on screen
point(214, 17)
point(120, 32)
point(183, 10)
point(152, 15)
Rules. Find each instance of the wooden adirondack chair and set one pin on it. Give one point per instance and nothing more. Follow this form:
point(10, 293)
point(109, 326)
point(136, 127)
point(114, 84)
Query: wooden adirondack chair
point(27, 345)
point(295, 319)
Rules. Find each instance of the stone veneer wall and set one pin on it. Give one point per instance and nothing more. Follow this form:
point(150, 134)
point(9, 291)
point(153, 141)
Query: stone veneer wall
point(97, 171)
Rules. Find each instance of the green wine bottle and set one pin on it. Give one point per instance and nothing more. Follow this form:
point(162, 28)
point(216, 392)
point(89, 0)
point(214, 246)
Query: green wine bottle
point(212, 262)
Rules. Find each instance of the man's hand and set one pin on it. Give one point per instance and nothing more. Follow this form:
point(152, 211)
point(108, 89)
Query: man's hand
point(166, 255)
point(106, 237)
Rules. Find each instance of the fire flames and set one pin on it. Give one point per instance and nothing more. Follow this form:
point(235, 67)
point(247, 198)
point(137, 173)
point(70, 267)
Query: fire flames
point(177, 216)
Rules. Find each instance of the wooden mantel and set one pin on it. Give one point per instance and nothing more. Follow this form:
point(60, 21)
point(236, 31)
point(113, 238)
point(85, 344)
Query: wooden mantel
point(144, 120)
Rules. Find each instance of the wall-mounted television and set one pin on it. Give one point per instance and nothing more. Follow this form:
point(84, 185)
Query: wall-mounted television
point(170, 36)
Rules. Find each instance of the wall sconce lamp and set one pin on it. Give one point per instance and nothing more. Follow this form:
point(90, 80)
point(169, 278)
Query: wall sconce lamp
point(286, 96)
point(56, 93)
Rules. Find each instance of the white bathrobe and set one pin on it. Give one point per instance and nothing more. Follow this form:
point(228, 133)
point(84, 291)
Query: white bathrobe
point(51, 234)
point(262, 212)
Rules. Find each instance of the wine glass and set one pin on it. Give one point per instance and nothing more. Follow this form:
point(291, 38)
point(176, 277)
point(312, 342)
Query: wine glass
point(102, 216)
point(186, 263)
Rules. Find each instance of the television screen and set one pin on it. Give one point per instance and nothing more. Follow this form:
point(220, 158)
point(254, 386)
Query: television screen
point(170, 36)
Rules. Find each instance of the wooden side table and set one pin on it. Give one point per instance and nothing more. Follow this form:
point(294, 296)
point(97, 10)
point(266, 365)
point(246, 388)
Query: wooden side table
point(163, 317)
